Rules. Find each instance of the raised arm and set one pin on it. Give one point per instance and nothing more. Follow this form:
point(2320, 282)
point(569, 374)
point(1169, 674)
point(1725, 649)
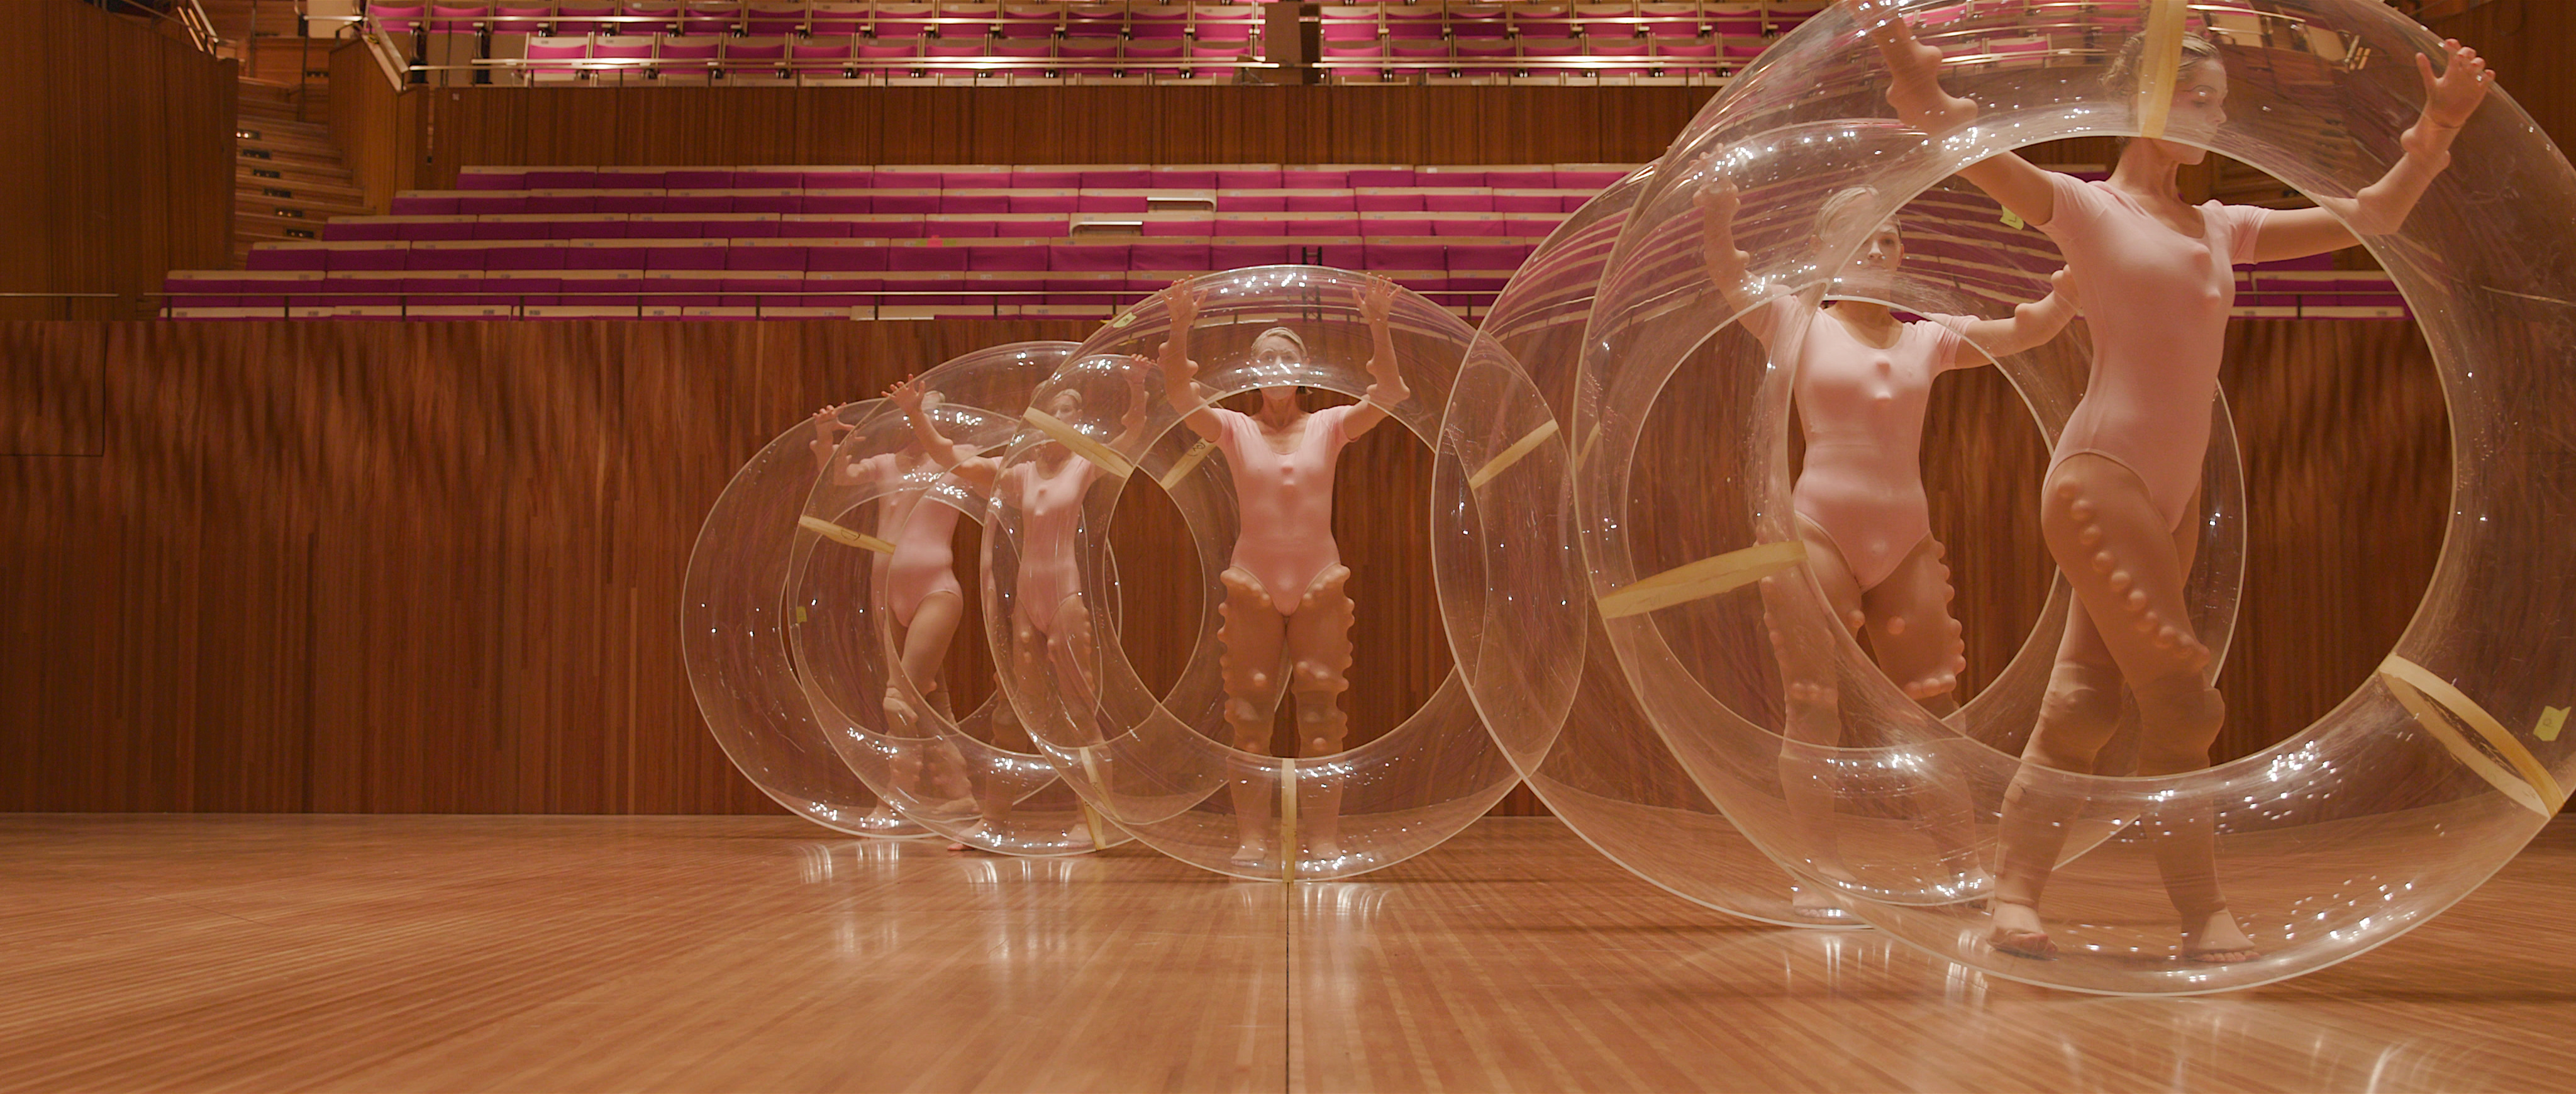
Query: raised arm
point(1131, 428)
point(1386, 379)
point(1718, 200)
point(2031, 324)
point(908, 395)
point(958, 459)
point(1914, 89)
point(2382, 206)
point(1180, 374)
point(827, 436)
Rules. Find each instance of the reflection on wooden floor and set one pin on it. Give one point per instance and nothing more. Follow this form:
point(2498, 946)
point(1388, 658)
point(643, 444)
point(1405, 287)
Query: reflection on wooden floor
point(704, 953)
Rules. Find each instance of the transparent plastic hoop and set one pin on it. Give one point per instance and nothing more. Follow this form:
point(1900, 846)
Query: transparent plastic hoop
point(969, 774)
point(2407, 795)
point(1155, 764)
point(1524, 631)
point(733, 644)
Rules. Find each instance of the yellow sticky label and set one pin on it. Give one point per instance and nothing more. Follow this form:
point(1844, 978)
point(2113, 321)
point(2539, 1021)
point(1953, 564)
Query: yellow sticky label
point(2014, 221)
point(1287, 819)
point(1102, 456)
point(1512, 455)
point(2552, 719)
point(1188, 462)
point(844, 536)
point(2160, 65)
point(1702, 579)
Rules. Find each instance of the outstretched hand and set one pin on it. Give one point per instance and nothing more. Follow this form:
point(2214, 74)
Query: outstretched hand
point(1184, 307)
point(1914, 87)
point(827, 427)
point(906, 393)
point(2454, 94)
point(1377, 301)
point(1717, 200)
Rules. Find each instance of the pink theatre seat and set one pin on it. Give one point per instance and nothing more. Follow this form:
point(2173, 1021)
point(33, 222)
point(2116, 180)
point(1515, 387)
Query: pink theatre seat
point(710, 16)
point(585, 18)
point(399, 18)
point(680, 57)
point(968, 20)
point(1158, 22)
point(648, 17)
point(1348, 24)
point(1029, 21)
point(775, 18)
point(844, 19)
point(523, 18)
point(459, 18)
point(1226, 253)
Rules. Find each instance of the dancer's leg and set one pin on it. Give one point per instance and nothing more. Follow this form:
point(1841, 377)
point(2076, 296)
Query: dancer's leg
point(2119, 553)
point(1319, 653)
point(1918, 646)
point(1251, 639)
point(1813, 695)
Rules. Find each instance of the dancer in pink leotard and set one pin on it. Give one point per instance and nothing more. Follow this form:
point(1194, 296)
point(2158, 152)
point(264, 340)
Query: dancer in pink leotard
point(1862, 382)
point(925, 608)
point(1287, 612)
point(1051, 625)
point(2118, 506)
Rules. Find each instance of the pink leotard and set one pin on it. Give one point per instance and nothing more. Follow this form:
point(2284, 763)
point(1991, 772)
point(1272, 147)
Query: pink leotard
point(2158, 303)
point(1285, 501)
point(923, 561)
point(1862, 407)
point(1050, 515)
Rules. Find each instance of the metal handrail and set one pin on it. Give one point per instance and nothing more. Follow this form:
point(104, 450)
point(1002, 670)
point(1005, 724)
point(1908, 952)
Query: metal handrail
point(188, 14)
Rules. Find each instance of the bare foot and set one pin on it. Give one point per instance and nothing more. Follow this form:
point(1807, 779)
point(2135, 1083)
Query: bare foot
point(1251, 852)
point(2218, 941)
point(2016, 931)
point(899, 714)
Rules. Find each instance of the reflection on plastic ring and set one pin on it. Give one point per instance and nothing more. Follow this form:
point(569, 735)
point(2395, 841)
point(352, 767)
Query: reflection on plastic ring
point(2417, 687)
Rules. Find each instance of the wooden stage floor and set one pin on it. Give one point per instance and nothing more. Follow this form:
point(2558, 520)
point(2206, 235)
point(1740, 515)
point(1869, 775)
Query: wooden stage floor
point(747, 953)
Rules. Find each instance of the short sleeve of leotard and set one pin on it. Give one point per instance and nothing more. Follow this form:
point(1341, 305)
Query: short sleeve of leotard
point(2076, 205)
point(1337, 419)
point(1766, 318)
point(1229, 429)
point(2241, 224)
point(1951, 332)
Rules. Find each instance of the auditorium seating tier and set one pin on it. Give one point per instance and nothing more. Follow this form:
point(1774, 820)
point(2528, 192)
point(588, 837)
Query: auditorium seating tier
point(751, 242)
point(765, 41)
point(965, 240)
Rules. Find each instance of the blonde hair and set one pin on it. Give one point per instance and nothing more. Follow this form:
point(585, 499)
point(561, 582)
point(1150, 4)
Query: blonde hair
point(1283, 333)
point(1841, 205)
point(2122, 78)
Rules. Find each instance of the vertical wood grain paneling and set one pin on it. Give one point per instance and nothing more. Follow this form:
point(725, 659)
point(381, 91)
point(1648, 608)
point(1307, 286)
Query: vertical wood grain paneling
point(122, 146)
point(390, 567)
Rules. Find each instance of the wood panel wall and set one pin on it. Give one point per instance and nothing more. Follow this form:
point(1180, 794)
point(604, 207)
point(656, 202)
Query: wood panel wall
point(435, 566)
point(121, 148)
point(374, 126)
